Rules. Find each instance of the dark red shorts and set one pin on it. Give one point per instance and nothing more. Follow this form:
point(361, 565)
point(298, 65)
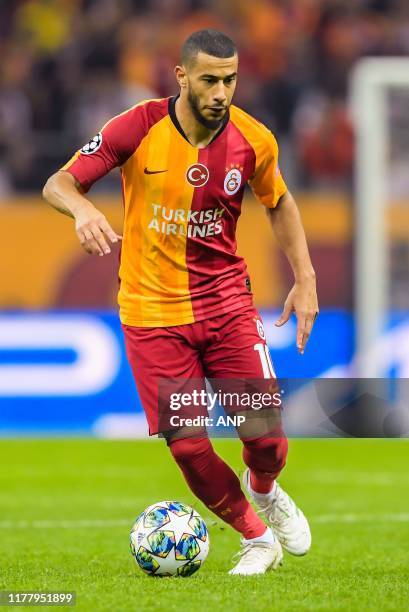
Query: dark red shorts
point(228, 346)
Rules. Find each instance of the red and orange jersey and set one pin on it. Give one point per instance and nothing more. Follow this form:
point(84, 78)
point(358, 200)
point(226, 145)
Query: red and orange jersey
point(178, 260)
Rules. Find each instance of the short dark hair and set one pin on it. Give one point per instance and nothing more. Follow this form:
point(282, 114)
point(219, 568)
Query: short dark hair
point(208, 41)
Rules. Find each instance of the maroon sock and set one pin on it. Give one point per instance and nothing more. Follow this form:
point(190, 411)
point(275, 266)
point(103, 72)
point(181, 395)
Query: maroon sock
point(216, 485)
point(266, 458)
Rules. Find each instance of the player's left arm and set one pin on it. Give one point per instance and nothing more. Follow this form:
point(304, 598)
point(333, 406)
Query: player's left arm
point(302, 299)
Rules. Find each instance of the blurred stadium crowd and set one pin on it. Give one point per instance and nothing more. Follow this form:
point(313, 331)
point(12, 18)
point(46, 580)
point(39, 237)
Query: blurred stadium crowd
point(66, 66)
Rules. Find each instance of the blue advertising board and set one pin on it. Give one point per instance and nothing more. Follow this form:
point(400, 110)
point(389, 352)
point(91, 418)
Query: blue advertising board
point(67, 372)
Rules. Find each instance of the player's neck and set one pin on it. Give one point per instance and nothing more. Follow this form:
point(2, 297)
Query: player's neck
point(197, 134)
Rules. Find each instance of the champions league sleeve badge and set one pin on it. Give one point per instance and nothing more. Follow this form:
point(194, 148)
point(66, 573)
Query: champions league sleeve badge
point(93, 145)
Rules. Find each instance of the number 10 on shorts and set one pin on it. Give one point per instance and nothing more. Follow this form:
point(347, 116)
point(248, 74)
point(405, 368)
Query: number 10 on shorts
point(266, 363)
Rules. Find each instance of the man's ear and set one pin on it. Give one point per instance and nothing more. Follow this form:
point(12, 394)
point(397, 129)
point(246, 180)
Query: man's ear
point(181, 76)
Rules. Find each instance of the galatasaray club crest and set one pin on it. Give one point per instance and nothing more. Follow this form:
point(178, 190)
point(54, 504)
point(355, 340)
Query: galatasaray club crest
point(232, 182)
point(197, 175)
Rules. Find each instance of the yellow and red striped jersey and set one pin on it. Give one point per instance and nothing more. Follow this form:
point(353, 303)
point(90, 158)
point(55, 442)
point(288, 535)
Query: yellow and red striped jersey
point(178, 258)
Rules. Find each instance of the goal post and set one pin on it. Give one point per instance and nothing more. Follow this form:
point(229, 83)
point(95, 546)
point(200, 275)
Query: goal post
point(371, 80)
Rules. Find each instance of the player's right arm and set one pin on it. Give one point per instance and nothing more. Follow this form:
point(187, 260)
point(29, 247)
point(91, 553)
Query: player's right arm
point(64, 193)
point(65, 190)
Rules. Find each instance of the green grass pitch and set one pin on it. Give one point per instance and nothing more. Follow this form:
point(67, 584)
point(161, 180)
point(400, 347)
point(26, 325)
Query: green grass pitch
point(67, 506)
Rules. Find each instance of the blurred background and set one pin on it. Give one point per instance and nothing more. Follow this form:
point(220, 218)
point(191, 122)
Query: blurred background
point(66, 67)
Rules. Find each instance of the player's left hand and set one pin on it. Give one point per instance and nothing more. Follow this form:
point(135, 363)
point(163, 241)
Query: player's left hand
point(302, 300)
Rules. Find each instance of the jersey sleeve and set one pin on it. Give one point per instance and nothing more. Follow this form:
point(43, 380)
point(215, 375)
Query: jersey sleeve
point(267, 182)
point(111, 147)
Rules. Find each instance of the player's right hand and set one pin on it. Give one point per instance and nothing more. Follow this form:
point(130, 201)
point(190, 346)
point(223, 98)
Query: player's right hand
point(94, 231)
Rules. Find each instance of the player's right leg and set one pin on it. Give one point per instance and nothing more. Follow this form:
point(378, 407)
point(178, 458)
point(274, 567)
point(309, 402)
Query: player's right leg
point(165, 353)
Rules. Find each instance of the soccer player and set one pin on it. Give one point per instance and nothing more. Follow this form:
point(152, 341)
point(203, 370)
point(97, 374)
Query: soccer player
point(185, 301)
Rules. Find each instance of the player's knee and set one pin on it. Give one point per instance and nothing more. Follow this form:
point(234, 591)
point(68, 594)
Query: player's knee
point(266, 453)
point(185, 450)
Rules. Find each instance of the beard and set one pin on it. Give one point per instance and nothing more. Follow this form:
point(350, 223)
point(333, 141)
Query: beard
point(210, 124)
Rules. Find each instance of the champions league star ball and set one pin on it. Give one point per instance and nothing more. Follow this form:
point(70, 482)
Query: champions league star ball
point(169, 539)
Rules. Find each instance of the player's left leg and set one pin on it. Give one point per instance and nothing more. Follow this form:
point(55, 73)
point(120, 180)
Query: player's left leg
point(239, 350)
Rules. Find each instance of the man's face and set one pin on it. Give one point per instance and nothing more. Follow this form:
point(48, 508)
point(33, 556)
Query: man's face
point(211, 82)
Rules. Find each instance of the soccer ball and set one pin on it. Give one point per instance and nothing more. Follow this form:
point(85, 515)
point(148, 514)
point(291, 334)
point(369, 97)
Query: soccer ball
point(169, 539)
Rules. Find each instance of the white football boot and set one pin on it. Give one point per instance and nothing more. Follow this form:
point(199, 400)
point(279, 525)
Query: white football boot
point(256, 557)
point(286, 520)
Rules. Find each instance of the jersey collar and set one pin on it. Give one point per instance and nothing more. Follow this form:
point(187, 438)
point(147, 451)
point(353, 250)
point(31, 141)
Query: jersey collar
point(174, 119)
